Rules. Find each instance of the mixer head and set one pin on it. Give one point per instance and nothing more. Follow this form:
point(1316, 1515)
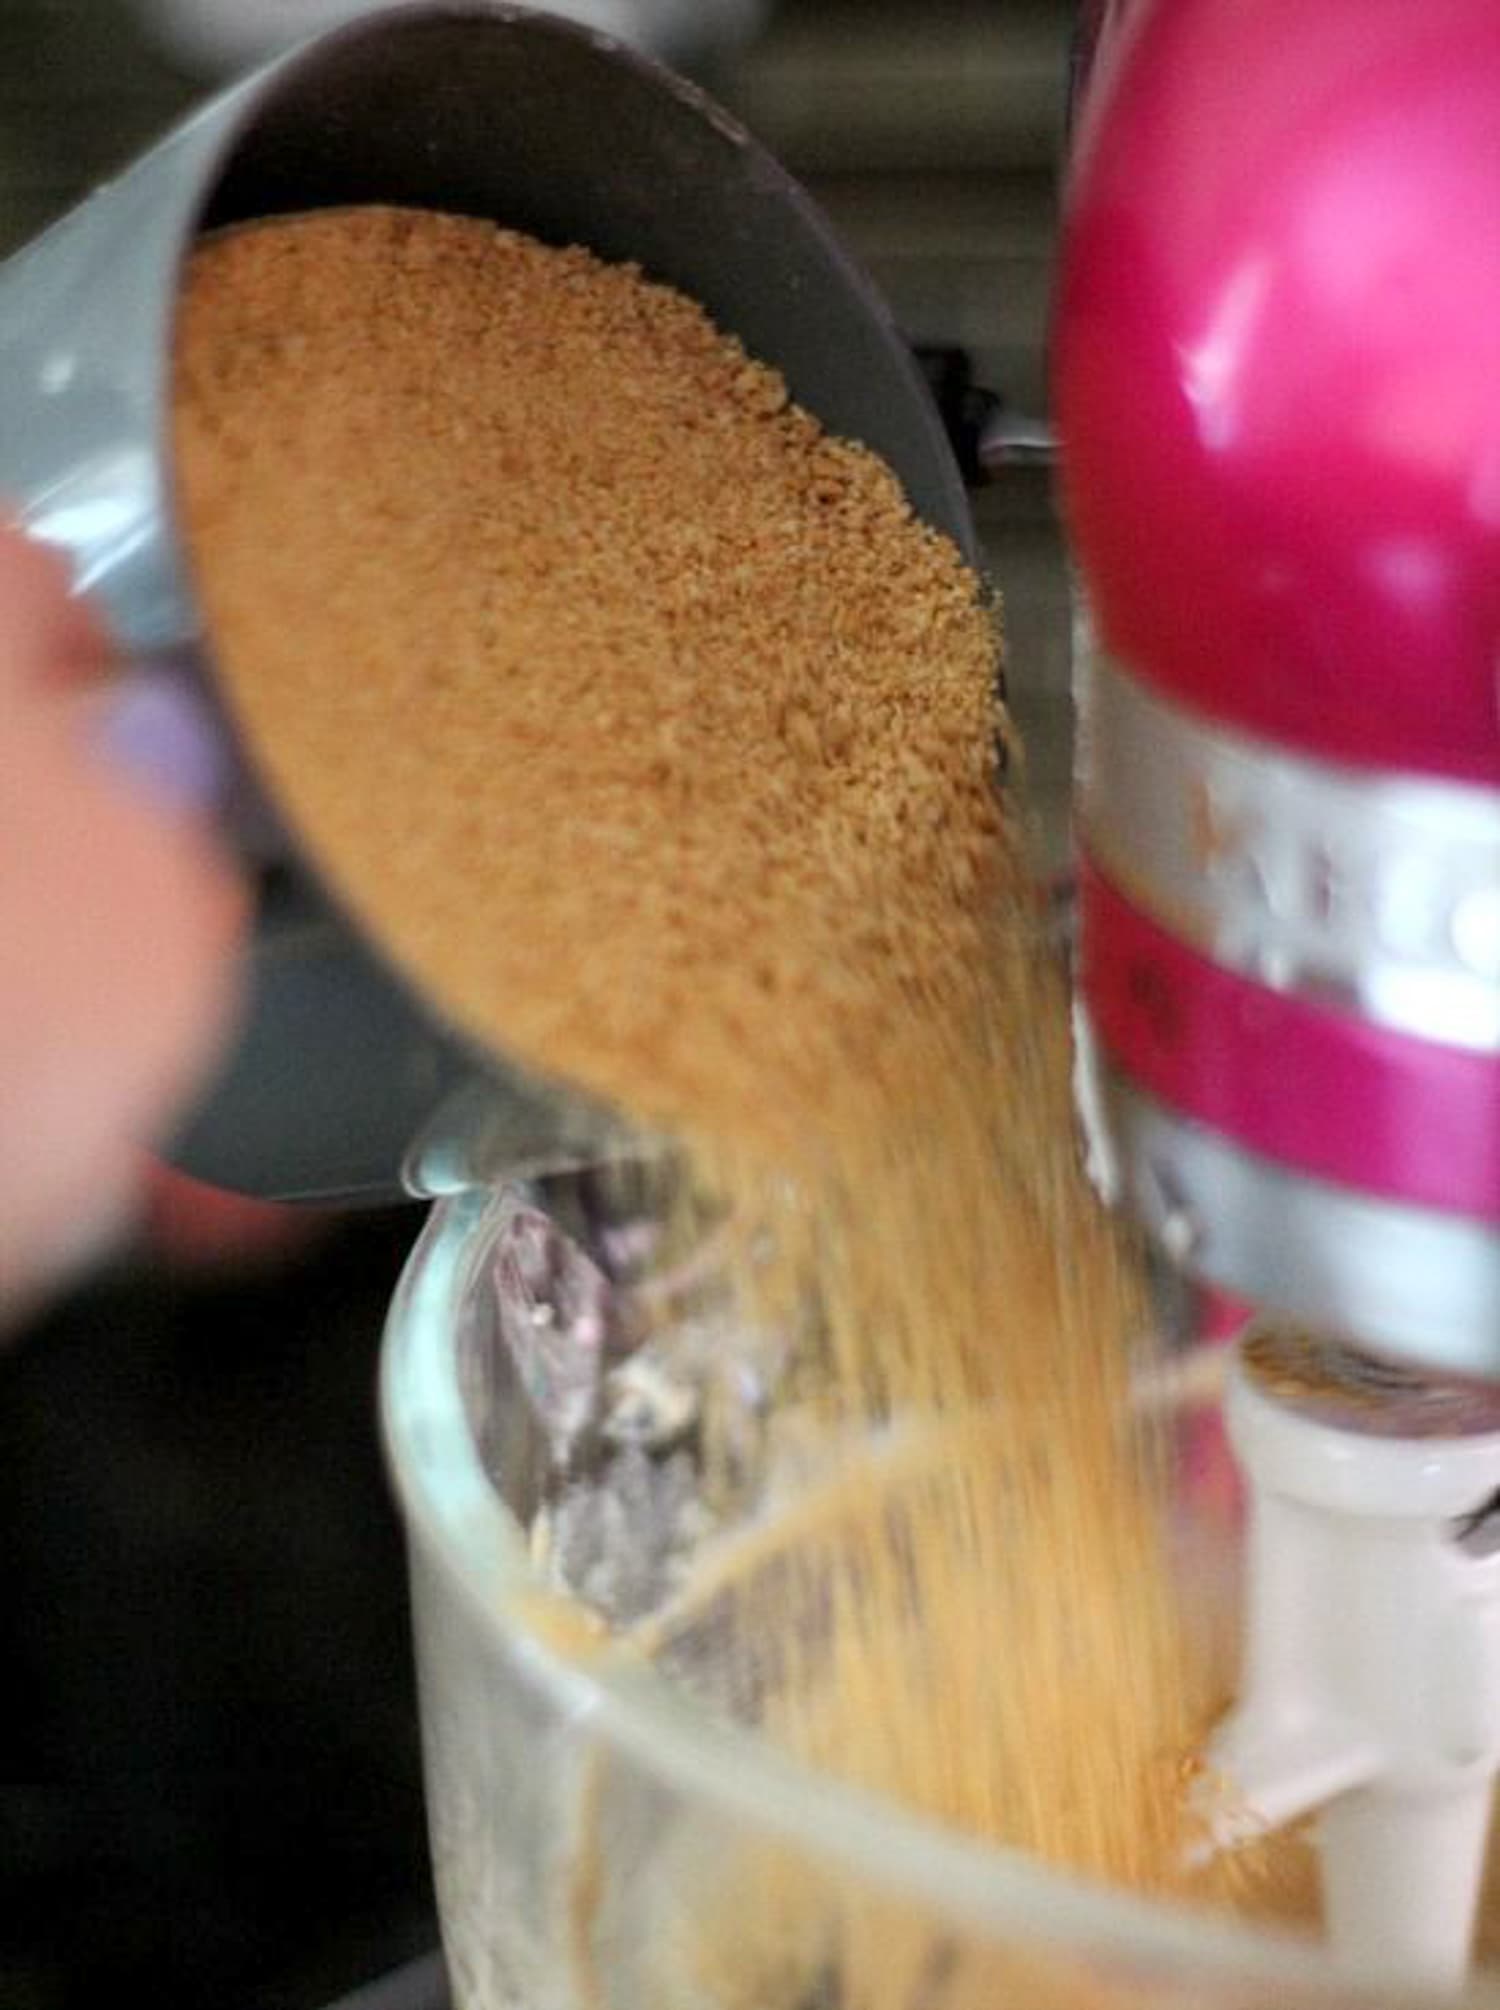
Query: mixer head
point(1278, 393)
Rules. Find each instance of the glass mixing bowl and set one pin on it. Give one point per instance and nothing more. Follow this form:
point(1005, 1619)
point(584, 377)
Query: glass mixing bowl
point(601, 1840)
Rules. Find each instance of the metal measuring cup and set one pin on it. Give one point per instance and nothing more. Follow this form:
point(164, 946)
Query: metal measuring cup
point(344, 1082)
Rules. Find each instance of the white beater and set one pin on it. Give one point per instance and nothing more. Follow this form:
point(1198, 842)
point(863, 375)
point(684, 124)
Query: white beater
point(1370, 1693)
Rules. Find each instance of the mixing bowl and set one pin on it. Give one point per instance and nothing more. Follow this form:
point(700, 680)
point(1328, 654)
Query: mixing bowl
point(603, 1840)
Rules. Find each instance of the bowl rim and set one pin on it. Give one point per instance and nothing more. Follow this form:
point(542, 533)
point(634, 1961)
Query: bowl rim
point(455, 1521)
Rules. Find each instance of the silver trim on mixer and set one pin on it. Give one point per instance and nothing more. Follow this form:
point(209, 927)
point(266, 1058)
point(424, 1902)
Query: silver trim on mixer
point(1398, 1279)
point(1378, 894)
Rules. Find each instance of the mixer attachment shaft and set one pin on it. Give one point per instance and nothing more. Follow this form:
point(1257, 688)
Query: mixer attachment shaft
point(1370, 1693)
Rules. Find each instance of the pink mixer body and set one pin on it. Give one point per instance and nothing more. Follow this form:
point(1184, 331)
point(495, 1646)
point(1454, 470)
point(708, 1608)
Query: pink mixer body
point(1277, 361)
point(1277, 388)
point(1339, 1098)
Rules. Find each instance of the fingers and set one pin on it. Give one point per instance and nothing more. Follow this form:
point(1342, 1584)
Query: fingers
point(48, 637)
point(121, 925)
point(188, 1226)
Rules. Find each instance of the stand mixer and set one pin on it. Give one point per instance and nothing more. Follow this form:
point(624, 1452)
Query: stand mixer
point(1278, 393)
point(1278, 352)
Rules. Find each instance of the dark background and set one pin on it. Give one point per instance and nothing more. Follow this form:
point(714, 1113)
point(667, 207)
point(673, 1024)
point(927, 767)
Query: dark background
point(208, 1742)
point(209, 1772)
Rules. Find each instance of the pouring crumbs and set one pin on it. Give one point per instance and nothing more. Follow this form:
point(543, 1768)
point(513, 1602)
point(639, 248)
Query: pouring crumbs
point(646, 729)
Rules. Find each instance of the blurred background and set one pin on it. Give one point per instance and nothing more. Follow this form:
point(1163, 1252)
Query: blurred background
point(209, 1771)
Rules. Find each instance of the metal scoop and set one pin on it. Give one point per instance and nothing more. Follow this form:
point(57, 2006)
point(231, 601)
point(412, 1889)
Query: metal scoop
point(344, 1083)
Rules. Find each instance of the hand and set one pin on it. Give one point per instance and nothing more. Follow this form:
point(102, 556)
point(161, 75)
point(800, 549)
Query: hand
point(120, 923)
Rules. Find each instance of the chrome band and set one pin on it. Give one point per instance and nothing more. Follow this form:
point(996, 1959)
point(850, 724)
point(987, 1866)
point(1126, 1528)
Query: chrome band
point(1403, 1280)
point(1379, 894)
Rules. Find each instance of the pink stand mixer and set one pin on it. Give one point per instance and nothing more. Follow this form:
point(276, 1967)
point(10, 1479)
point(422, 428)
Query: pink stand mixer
point(1277, 370)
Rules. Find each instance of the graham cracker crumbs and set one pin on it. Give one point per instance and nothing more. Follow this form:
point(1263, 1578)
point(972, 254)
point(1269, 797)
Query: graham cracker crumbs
point(644, 726)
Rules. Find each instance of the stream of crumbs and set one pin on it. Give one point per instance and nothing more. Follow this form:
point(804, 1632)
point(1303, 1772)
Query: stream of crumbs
point(645, 728)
